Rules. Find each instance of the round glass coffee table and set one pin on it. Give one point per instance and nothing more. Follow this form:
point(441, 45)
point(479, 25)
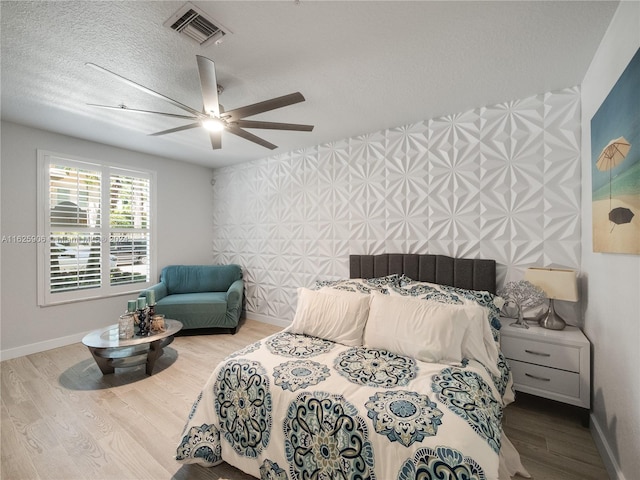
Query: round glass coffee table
point(111, 352)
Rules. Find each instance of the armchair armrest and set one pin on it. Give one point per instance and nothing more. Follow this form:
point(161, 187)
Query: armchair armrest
point(234, 294)
point(160, 290)
point(234, 301)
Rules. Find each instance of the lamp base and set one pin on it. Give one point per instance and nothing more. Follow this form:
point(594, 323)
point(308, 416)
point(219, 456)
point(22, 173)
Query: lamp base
point(552, 320)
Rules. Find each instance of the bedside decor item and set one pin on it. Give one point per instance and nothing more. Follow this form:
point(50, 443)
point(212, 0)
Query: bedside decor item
point(523, 295)
point(557, 284)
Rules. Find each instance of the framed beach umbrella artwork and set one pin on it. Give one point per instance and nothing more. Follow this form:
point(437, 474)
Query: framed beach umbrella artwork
point(615, 166)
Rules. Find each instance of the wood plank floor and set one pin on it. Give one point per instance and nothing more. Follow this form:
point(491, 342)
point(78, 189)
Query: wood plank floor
point(62, 419)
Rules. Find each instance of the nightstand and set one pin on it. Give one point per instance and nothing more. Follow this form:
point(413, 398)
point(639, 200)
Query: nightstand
point(554, 364)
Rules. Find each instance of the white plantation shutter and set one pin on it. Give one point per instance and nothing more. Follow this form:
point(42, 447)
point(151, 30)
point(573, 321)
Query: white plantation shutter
point(74, 225)
point(96, 220)
point(129, 218)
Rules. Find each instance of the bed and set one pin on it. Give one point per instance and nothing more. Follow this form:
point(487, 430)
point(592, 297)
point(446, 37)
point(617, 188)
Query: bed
point(393, 373)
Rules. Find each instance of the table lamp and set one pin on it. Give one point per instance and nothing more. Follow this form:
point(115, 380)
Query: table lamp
point(558, 284)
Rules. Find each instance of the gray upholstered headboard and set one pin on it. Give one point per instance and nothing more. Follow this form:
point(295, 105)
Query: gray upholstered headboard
point(472, 274)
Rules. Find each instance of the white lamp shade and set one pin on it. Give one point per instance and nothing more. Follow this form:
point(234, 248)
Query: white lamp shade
point(557, 283)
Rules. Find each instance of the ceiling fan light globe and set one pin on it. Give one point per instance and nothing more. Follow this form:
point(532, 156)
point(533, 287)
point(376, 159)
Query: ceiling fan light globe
point(213, 124)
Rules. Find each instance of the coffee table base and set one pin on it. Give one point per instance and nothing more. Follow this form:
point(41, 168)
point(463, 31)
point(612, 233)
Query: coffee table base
point(108, 359)
point(111, 352)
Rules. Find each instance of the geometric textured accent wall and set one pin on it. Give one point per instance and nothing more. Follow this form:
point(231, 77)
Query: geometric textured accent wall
point(499, 182)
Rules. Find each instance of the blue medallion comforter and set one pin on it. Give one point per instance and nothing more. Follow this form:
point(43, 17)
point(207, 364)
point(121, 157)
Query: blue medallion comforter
point(296, 407)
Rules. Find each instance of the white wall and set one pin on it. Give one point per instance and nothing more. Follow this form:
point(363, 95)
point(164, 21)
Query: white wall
point(184, 229)
point(499, 182)
point(612, 283)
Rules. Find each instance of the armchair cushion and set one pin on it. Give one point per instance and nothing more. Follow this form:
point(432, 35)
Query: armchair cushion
point(199, 278)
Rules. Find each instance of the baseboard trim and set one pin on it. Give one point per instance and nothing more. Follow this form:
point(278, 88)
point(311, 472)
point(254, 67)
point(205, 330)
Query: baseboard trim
point(266, 319)
point(38, 347)
point(608, 458)
point(43, 346)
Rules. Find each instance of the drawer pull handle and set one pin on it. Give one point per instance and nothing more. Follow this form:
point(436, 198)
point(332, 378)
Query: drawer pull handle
point(538, 378)
point(538, 353)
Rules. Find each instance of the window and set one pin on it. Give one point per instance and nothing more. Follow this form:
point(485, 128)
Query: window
point(95, 227)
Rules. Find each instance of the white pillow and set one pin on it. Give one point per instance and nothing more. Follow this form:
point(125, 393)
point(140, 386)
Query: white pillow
point(332, 315)
point(427, 331)
point(478, 343)
point(431, 331)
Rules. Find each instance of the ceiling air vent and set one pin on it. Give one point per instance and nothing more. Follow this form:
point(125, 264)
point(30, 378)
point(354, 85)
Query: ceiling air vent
point(195, 24)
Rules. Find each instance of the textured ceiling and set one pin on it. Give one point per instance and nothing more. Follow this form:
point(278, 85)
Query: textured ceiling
point(362, 66)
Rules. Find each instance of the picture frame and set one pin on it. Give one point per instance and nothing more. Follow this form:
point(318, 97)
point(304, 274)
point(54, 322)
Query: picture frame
point(615, 166)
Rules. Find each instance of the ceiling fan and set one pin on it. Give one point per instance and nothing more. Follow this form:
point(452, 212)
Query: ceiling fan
point(213, 117)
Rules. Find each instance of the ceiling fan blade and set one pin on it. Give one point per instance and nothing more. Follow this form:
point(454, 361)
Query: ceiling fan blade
point(208, 85)
point(177, 129)
point(216, 140)
point(250, 136)
point(146, 90)
point(273, 125)
point(127, 109)
point(265, 106)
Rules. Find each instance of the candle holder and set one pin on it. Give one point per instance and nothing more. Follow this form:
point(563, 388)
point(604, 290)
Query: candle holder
point(143, 322)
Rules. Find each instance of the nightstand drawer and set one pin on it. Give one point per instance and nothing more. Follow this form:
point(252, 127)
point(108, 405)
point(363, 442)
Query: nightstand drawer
point(564, 357)
point(544, 378)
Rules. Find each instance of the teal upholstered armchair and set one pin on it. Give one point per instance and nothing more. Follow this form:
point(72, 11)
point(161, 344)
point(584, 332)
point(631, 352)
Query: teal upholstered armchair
point(200, 296)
